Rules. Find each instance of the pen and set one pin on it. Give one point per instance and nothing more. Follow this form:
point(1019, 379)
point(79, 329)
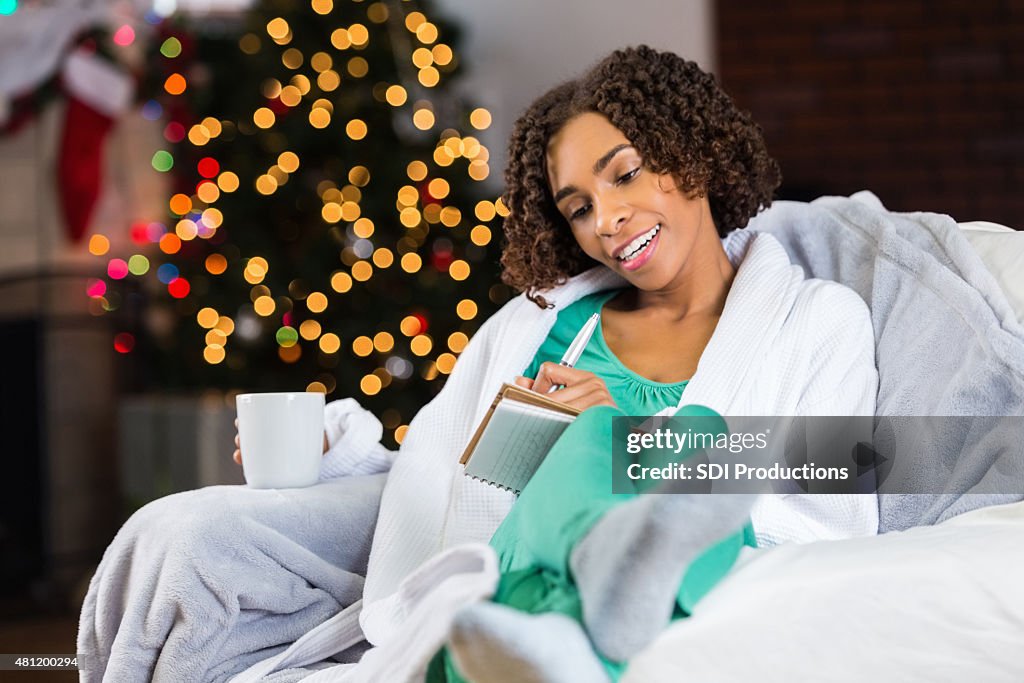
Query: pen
point(575, 350)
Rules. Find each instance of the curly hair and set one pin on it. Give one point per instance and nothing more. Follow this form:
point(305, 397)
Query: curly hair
point(676, 116)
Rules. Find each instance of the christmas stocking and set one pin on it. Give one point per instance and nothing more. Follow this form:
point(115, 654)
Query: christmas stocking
point(98, 93)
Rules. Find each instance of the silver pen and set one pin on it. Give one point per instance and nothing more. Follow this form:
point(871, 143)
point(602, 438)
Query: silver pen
point(575, 350)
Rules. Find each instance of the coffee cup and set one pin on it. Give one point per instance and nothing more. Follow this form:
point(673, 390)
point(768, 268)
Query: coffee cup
point(281, 436)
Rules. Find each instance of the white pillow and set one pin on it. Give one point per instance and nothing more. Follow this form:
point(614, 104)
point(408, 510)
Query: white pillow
point(1002, 250)
point(929, 605)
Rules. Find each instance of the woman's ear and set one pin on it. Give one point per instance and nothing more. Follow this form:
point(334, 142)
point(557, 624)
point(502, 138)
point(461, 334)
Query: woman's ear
point(666, 182)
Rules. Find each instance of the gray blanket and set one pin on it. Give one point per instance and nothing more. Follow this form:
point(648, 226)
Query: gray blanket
point(200, 585)
point(947, 342)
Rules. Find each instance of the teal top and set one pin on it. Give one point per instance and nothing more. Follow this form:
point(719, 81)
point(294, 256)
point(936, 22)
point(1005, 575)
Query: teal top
point(632, 393)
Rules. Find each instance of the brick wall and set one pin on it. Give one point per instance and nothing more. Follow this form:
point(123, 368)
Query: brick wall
point(920, 101)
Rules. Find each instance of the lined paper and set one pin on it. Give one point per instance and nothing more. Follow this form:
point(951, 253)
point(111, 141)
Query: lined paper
point(514, 443)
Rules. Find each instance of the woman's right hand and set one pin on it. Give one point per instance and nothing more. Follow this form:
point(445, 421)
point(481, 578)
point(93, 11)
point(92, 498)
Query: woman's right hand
point(579, 388)
point(237, 455)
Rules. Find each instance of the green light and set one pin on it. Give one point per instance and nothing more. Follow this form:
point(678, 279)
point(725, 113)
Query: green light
point(138, 264)
point(171, 47)
point(162, 160)
point(287, 336)
point(8, 7)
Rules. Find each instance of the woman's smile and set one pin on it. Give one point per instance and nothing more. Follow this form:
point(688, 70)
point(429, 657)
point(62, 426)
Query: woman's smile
point(638, 251)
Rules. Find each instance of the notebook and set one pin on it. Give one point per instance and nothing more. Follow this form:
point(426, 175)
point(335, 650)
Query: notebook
point(514, 437)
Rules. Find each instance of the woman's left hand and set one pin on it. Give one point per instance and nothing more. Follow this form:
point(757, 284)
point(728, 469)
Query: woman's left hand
point(581, 389)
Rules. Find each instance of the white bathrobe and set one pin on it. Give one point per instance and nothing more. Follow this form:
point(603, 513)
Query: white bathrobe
point(784, 345)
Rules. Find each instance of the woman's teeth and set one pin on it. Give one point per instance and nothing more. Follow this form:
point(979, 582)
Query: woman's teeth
point(637, 245)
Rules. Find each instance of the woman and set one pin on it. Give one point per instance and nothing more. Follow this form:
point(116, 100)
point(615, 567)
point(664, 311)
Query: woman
point(638, 168)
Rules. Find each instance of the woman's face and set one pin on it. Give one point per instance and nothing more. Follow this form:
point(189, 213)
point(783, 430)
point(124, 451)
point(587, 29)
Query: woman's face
point(621, 213)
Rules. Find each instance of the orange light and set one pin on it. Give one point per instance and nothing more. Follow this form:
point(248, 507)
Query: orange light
point(175, 84)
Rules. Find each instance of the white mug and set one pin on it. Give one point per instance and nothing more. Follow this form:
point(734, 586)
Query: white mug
point(281, 436)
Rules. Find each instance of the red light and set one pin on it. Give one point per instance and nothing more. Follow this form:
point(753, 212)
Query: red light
point(124, 342)
point(174, 132)
point(140, 233)
point(423, 322)
point(178, 288)
point(96, 288)
point(208, 167)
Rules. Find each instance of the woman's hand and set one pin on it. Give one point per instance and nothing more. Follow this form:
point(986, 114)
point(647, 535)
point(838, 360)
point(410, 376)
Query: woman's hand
point(237, 455)
point(581, 389)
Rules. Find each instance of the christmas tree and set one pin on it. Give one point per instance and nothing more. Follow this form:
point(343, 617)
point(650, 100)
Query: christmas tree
point(329, 228)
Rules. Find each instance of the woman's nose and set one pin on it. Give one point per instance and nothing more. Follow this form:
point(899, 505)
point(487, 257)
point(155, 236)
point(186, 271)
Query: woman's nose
point(611, 219)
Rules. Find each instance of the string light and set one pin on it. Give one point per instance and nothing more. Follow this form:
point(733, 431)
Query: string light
point(450, 216)
point(227, 181)
point(175, 84)
point(362, 346)
point(426, 32)
point(383, 258)
point(309, 330)
point(322, 6)
point(411, 262)
point(216, 264)
point(410, 326)
point(383, 342)
point(428, 76)
point(417, 170)
point(316, 302)
point(292, 58)
point(207, 317)
point(442, 54)
point(208, 192)
point(459, 270)
point(370, 385)
point(328, 81)
point(263, 117)
point(264, 306)
point(359, 176)
point(341, 282)
point(359, 35)
point(170, 48)
point(362, 271)
point(480, 118)
point(480, 235)
point(302, 83)
point(215, 337)
point(98, 245)
point(363, 227)
point(445, 363)
point(356, 129)
point(457, 341)
point(278, 28)
point(396, 95)
point(466, 309)
point(330, 343)
point(413, 20)
point(420, 205)
point(340, 39)
point(422, 57)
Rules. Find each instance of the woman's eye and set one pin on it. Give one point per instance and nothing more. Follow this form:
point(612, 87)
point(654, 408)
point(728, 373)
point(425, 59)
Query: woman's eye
point(579, 213)
point(629, 176)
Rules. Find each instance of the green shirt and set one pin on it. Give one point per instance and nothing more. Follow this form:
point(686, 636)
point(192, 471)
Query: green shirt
point(634, 394)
